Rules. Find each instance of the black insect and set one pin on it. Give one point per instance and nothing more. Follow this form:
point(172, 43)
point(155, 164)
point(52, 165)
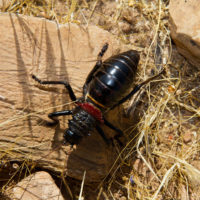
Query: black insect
point(107, 86)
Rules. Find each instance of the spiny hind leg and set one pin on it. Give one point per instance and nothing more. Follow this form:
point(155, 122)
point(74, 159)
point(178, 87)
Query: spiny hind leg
point(65, 83)
point(96, 67)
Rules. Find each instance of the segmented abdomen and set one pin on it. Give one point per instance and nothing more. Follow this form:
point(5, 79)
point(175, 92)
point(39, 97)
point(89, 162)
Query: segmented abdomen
point(114, 78)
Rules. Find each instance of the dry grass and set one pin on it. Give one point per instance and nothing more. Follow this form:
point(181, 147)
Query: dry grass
point(162, 163)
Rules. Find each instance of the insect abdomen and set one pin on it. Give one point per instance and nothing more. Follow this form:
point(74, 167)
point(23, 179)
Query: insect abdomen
point(114, 78)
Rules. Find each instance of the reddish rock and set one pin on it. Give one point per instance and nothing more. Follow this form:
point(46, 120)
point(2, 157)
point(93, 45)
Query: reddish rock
point(185, 28)
point(187, 137)
point(31, 45)
point(4, 3)
point(36, 187)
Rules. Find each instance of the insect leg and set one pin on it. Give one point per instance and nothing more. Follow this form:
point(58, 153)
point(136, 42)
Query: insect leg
point(136, 89)
point(96, 67)
point(53, 115)
point(102, 134)
point(66, 84)
point(119, 132)
point(102, 52)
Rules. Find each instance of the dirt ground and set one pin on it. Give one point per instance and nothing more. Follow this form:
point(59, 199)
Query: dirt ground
point(161, 159)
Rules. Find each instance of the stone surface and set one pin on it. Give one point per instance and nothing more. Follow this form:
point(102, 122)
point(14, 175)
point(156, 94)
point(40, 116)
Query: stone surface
point(187, 137)
point(185, 28)
point(4, 3)
point(38, 186)
point(37, 46)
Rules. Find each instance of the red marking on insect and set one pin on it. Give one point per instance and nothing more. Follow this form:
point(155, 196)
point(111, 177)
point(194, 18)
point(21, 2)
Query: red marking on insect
point(92, 110)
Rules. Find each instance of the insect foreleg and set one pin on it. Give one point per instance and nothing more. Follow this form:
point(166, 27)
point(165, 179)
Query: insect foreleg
point(54, 115)
point(102, 134)
point(119, 132)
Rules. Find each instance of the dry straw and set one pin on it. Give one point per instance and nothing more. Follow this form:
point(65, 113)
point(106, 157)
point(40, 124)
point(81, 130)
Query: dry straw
point(167, 161)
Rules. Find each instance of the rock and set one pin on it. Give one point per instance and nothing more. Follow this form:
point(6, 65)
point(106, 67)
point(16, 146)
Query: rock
point(52, 52)
point(4, 3)
point(125, 27)
point(185, 28)
point(36, 187)
point(187, 137)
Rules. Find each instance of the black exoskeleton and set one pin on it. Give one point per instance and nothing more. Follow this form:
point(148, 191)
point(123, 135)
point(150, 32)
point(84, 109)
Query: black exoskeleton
point(107, 86)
